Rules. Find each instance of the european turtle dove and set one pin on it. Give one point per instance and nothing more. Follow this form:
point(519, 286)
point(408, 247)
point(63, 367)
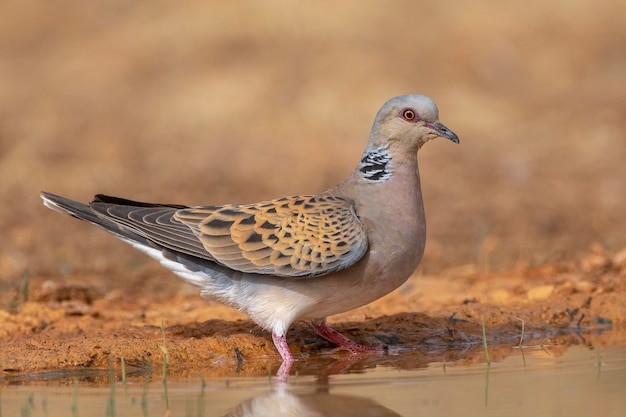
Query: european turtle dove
point(303, 257)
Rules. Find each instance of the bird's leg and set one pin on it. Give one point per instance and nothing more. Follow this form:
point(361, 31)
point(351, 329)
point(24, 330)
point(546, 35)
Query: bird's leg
point(322, 329)
point(280, 341)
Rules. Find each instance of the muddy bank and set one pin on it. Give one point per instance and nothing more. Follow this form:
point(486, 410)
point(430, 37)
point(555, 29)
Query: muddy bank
point(69, 325)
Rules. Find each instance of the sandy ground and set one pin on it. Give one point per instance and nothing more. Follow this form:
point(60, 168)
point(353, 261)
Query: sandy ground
point(71, 325)
point(199, 103)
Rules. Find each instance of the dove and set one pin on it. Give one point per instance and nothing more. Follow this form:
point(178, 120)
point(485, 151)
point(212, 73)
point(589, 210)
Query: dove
point(302, 257)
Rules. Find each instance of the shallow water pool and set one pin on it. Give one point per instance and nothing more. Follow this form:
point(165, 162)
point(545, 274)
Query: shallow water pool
point(529, 382)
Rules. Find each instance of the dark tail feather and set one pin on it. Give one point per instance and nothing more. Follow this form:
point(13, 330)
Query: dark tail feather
point(73, 208)
point(101, 198)
point(85, 212)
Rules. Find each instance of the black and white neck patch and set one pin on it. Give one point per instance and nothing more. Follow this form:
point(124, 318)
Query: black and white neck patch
point(375, 164)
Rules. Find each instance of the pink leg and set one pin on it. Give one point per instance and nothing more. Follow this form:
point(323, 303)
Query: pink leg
point(337, 338)
point(283, 348)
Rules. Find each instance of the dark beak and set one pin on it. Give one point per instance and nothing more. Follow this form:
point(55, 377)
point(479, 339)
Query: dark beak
point(440, 130)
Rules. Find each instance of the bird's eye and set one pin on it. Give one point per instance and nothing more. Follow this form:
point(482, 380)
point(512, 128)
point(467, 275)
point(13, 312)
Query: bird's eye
point(408, 114)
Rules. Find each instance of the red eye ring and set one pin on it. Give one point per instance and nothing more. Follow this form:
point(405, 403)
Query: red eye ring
point(409, 115)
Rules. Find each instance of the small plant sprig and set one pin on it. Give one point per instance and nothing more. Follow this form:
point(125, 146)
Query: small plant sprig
point(485, 342)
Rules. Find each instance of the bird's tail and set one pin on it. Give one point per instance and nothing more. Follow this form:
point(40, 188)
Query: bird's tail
point(85, 212)
point(73, 208)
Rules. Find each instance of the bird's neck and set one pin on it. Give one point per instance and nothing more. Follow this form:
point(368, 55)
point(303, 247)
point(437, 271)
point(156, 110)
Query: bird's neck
point(385, 184)
point(376, 165)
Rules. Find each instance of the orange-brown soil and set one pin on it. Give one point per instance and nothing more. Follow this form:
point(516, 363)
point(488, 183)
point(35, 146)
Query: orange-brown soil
point(70, 325)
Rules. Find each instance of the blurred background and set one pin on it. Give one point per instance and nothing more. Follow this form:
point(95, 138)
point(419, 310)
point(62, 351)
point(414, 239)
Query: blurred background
point(199, 102)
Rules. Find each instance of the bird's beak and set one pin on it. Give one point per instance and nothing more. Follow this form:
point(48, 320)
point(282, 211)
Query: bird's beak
point(440, 130)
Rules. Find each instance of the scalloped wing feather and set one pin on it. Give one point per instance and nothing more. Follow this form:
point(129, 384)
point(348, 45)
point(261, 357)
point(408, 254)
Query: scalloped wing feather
point(295, 236)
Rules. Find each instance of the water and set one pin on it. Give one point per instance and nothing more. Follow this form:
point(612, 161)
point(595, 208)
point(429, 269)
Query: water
point(529, 382)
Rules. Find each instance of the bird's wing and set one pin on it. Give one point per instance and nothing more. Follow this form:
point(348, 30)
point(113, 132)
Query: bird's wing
point(137, 221)
point(299, 236)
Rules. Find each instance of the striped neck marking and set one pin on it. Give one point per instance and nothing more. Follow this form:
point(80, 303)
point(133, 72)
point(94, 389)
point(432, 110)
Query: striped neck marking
point(375, 164)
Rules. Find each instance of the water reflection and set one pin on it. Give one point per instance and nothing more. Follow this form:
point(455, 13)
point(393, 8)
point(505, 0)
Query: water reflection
point(536, 380)
point(319, 404)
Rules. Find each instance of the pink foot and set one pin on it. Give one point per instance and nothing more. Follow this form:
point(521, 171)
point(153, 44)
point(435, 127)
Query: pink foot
point(322, 329)
point(283, 348)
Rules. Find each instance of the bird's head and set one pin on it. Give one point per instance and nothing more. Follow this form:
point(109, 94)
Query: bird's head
point(408, 121)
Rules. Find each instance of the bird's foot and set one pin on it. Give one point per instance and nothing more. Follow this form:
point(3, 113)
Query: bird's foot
point(280, 341)
point(322, 329)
